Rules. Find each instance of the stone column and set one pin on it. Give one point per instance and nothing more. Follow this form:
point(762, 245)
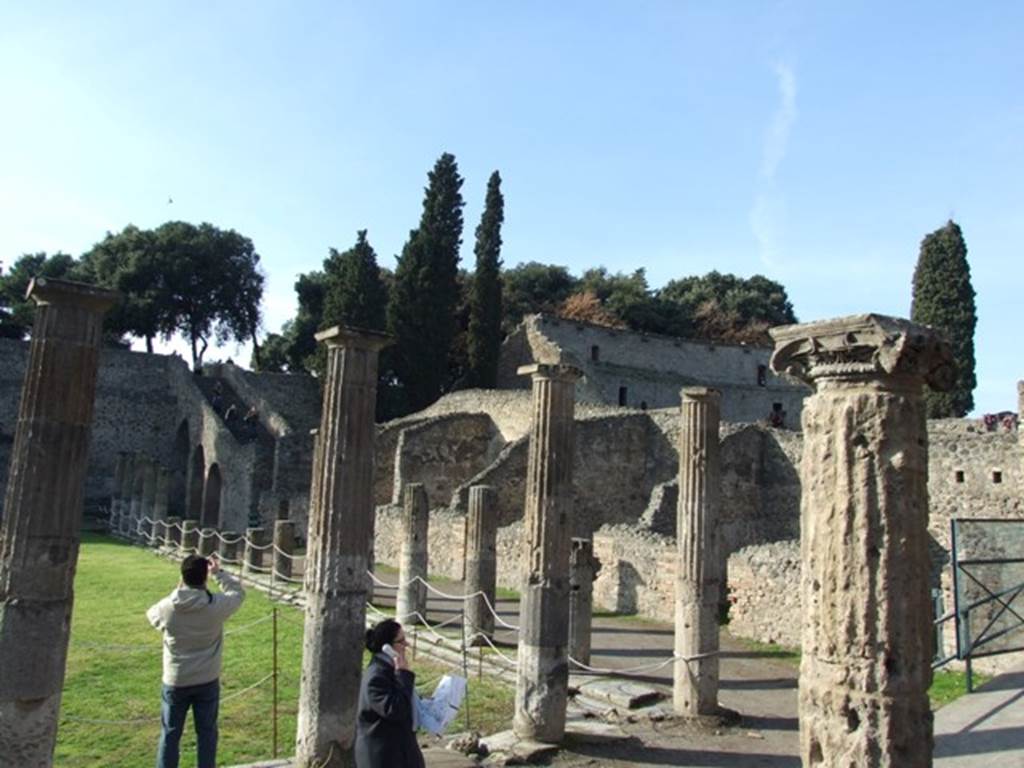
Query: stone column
point(161, 497)
point(695, 683)
point(255, 543)
point(148, 501)
point(867, 634)
point(127, 488)
point(543, 672)
point(284, 547)
point(115, 496)
point(173, 529)
point(340, 525)
point(141, 467)
point(583, 568)
point(39, 529)
point(481, 561)
point(229, 547)
point(189, 537)
point(208, 541)
point(412, 595)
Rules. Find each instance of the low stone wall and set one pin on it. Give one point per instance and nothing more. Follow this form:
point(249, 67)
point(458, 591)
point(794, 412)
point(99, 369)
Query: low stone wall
point(638, 571)
point(764, 593)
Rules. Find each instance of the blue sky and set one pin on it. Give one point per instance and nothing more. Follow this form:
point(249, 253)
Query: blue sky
point(815, 143)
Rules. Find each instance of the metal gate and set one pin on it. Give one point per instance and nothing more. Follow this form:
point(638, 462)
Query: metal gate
point(988, 584)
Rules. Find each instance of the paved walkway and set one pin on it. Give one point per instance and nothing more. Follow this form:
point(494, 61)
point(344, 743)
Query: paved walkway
point(985, 728)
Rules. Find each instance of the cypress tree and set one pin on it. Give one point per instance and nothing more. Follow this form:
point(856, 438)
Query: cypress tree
point(944, 298)
point(421, 313)
point(484, 338)
point(355, 294)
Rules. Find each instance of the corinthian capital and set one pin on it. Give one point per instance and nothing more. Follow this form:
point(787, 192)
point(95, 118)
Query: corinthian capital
point(863, 347)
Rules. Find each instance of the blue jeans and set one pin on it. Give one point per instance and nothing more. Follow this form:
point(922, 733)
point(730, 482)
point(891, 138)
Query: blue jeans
point(204, 700)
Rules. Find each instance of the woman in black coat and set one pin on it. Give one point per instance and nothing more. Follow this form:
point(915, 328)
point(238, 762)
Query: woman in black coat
point(384, 731)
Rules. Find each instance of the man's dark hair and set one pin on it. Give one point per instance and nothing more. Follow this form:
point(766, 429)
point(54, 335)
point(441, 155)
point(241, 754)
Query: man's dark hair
point(193, 570)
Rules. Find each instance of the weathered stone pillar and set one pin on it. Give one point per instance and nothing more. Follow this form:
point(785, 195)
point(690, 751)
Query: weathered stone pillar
point(119, 469)
point(543, 672)
point(207, 541)
point(141, 467)
point(340, 525)
point(229, 547)
point(173, 529)
point(411, 598)
point(42, 512)
point(189, 537)
point(284, 547)
point(481, 561)
point(255, 546)
point(867, 633)
point(695, 683)
point(127, 488)
point(161, 499)
point(582, 570)
point(148, 502)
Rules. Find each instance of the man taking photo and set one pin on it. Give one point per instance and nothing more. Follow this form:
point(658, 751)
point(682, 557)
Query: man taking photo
point(192, 620)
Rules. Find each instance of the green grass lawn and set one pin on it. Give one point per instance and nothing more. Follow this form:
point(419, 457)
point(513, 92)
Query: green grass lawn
point(114, 666)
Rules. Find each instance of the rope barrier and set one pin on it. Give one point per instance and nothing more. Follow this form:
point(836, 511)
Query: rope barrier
point(244, 627)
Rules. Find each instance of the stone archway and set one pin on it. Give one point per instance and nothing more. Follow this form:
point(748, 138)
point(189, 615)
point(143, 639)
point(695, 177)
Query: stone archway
point(211, 498)
point(179, 472)
point(196, 477)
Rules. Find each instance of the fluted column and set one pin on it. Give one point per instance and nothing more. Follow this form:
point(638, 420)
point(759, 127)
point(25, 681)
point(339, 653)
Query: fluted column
point(543, 672)
point(412, 594)
point(340, 527)
point(867, 634)
point(695, 682)
point(481, 561)
point(39, 531)
point(582, 569)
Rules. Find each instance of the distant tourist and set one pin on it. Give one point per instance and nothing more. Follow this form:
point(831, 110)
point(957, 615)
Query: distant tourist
point(192, 620)
point(385, 736)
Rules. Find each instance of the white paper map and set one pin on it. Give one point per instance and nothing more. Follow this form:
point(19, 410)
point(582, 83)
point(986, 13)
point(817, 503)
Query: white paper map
point(435, 713)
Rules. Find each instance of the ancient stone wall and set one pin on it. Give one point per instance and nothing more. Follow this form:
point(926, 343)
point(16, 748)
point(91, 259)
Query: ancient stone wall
point(647, 371)
point(764, 592)
point(442, 452)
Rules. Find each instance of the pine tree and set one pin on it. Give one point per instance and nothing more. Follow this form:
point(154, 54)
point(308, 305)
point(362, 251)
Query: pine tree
point(421, 312)
point(484, 337)
point(355, 294)
point(944, 298)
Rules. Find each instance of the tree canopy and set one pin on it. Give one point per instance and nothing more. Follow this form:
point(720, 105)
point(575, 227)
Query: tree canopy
point(943, 297)
point(17, 312)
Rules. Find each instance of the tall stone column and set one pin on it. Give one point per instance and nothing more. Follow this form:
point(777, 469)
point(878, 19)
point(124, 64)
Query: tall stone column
point(481, 561)
point(141, 465)
point(39, 530)
point(867, 633)
point(161, 496)
point(255, 545)
point(340, 525)
point(695, 683)
point(543, 672)
point(582, 570)
point(148, 509)
point(173, 529)
point(189, 537)
point(411, 598)
point(284, 547)
point(127, 488)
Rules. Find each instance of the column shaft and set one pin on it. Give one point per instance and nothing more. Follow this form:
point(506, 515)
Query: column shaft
point(481, 561)
point(284, 547)
point(340, 527)
point(582, 567)
point(543, 672)
point(412, 594)
point(695, 683)
point(867, 634)
point(39, 531)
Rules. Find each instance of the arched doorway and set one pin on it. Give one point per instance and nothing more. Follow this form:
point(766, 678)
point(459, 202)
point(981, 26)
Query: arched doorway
point(196, 477)
point(211, 498)
point(179, 472)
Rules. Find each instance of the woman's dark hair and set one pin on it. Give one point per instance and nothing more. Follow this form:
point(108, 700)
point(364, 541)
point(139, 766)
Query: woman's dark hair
point(382, 633)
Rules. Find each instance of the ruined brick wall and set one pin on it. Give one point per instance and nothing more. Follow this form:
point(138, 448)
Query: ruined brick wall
point(764, 592)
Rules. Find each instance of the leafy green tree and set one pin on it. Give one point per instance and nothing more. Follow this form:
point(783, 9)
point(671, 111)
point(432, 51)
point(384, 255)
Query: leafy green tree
point(200, 281)
point(484, 336)
point(17, 312)
point(944, 298)
point(425, 297)
point(534, 287)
